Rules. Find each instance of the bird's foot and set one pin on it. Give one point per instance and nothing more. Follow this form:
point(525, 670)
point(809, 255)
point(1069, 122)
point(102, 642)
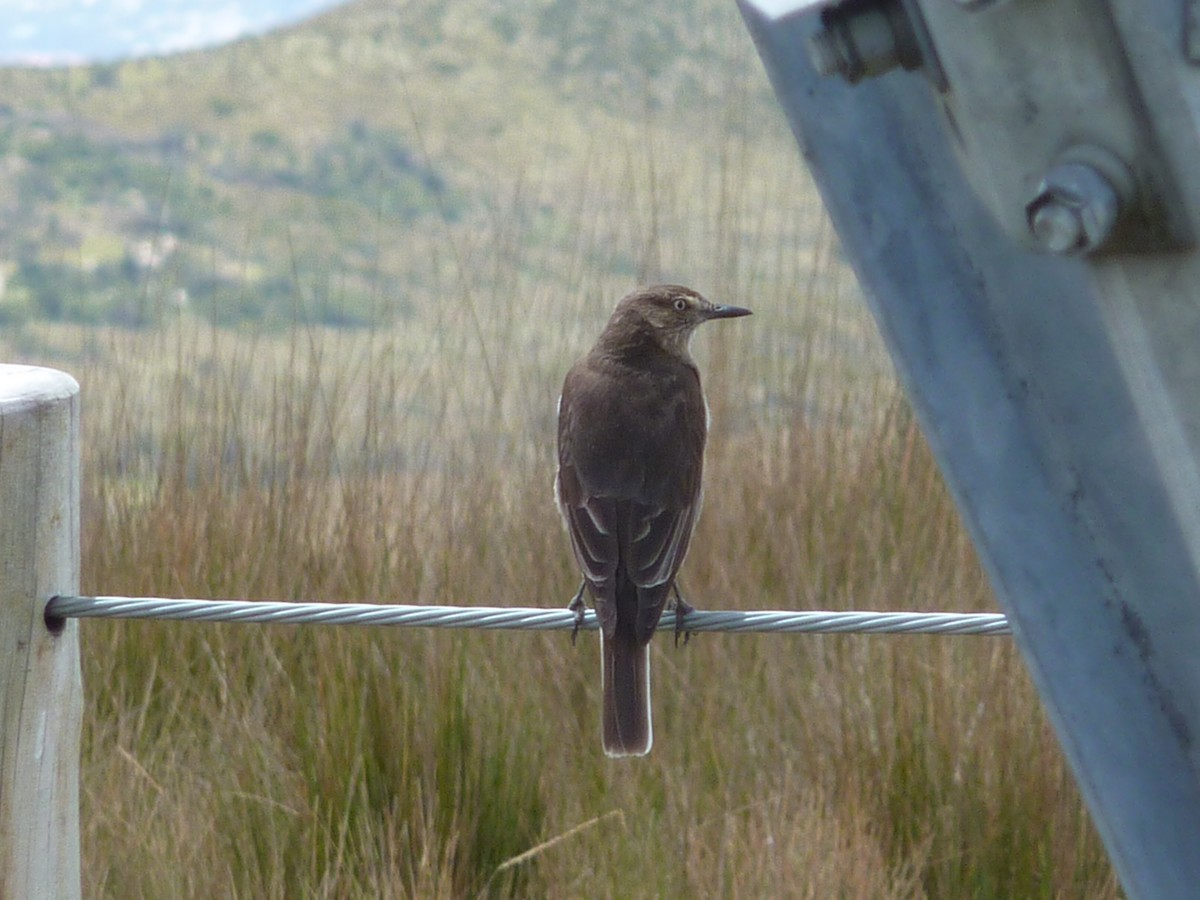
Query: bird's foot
point(682, 608)
point(578, 607)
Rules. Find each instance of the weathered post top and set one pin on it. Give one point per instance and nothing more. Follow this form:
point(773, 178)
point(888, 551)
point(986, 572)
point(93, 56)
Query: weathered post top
point(40, 692)
point(22, 387)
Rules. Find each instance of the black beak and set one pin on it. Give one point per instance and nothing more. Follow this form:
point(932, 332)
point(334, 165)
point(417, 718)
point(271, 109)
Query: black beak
point(721, 311)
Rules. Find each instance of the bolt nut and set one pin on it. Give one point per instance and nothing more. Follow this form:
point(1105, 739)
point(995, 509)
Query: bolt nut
point(1074, 210)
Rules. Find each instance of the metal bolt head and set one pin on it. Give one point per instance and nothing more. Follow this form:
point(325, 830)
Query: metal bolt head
point(1074, 209)
point(863, 41)
point(1057, 227)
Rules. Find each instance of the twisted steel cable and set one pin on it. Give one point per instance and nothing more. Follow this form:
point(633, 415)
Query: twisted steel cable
point(516, 618)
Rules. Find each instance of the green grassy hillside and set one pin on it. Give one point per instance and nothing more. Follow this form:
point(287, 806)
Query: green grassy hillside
point(312, 174)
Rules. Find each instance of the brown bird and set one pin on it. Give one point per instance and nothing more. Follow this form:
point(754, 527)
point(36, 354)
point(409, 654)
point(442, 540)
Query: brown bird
point(632, 423)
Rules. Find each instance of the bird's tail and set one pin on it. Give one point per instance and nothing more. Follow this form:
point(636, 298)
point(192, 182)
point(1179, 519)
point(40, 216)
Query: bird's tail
point(625, 671)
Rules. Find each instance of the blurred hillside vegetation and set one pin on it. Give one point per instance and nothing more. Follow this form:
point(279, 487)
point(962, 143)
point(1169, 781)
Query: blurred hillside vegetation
point(314, 175)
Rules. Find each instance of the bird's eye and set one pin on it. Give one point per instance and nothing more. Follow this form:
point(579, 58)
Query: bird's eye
point(680, 304)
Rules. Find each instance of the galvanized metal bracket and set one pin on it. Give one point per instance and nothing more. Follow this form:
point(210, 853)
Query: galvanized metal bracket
point(1017, 183)
point(1045, 113)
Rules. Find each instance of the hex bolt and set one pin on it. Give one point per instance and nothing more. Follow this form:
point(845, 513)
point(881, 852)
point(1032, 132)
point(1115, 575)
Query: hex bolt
point(1074, 210)
point(861, 41)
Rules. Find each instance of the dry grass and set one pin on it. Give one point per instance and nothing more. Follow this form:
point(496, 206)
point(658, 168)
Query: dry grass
point(413, 464)
point(282, 761)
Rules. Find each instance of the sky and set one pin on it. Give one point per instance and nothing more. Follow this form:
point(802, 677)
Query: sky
point(66, 32)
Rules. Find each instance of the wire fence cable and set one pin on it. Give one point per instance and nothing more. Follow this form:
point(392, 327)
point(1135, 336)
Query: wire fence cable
point(516, 618)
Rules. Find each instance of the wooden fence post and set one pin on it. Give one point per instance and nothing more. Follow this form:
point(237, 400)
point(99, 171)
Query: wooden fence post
point(41, 696)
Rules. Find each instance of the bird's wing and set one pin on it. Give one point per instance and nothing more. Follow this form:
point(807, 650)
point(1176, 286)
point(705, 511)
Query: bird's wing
point(592, 526)
point(592, 523)
point(656, 543)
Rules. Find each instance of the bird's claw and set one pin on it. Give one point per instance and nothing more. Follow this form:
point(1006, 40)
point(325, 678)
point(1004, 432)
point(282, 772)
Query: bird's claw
point(578, 607)
point(682, 608)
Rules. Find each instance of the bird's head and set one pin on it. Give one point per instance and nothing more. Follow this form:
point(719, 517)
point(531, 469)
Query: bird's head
point(669, 313)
